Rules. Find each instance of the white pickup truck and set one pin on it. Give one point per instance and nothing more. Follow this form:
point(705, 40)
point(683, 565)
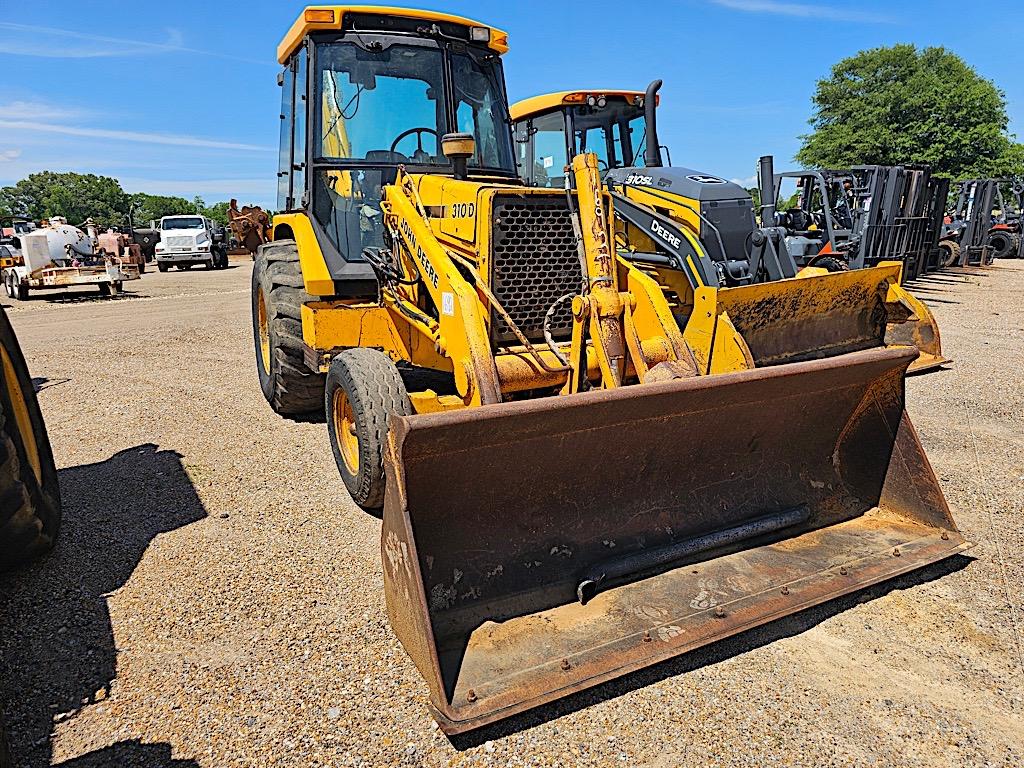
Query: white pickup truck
point(186, 240)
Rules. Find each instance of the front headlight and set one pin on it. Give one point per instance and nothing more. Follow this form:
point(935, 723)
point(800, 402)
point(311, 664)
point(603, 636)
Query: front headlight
point(160, 246)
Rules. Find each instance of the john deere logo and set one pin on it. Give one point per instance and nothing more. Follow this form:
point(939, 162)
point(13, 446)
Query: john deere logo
point(701, 179)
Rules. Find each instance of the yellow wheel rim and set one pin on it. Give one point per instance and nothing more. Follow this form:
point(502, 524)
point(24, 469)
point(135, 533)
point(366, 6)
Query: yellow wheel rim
point(21, 416)
point(264, 328)
point(345, 430)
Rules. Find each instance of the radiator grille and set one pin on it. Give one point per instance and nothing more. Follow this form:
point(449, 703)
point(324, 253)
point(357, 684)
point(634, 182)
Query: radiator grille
point(180, 241)
point(533, 263)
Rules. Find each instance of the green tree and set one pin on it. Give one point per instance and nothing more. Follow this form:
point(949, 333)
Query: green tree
point(899, 104)
point(218, 212)
point(154, 207)
point(74, 196)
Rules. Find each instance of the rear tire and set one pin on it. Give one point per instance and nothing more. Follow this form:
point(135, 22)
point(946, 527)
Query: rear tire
point(364, 388)
point(30, 509)
point(289, 386)
point(949, 253)
point(16, 289)
point(1002, 244)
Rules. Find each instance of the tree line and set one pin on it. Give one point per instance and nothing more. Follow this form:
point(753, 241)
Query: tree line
point(78, 196)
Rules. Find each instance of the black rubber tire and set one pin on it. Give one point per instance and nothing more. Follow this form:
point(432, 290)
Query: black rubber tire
point(6, 761)
point(831, 263)
point(162, 266)
point(375, 390)
point(9, 285)
point(1002, 244)
point(16, 288)
point(949, 253)
point(290, 387)
point(30, 510)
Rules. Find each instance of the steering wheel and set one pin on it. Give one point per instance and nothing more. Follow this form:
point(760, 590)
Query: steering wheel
point(419, 137)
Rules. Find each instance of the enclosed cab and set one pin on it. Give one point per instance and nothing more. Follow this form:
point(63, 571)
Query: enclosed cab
point(615, 125)
point(363, 93)
point(187, 240)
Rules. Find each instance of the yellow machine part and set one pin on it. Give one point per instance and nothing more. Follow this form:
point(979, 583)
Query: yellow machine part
point(22, 420)
point(532, 549)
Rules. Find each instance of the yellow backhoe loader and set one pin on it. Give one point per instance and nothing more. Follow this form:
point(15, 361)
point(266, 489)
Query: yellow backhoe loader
point(30, 511)
point(691, 230)
point(567, 494)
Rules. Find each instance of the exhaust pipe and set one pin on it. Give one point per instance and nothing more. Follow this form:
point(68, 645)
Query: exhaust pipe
point(652, 152)
point(766, 185)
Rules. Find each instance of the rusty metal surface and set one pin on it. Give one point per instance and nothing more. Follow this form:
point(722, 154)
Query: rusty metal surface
point(493, 515)
point(250, 226)
point(810, 318)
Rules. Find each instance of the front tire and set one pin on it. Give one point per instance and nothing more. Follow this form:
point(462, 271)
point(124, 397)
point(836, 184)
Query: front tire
point(949, 253)
point(162, 266)
point(30, 510)
point(363, 390)
point(290, 387)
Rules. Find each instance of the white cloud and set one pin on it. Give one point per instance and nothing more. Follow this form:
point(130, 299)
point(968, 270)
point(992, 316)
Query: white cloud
point(7, 155)
point(37, 110)
point(136, 136)
point(805, 11)
point(746, 183)
point(51, 43)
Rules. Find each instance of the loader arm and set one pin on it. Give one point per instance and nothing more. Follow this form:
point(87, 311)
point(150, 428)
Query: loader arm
point(461, 327)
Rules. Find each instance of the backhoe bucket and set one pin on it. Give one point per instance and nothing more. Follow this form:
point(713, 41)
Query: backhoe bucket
point(536, 548)
point(813, 317)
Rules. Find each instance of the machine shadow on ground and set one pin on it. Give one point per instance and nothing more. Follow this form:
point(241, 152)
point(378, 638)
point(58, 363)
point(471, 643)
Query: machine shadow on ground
point(57, 646)
point(715, 653)
point(86, 297)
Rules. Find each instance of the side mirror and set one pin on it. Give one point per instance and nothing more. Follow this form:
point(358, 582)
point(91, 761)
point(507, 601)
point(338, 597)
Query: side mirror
point(458, 147)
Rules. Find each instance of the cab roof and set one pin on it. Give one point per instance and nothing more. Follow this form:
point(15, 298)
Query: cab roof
point(535, 105)
point(318, 18)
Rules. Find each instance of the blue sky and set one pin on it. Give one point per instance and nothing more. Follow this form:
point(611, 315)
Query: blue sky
point(180, 98)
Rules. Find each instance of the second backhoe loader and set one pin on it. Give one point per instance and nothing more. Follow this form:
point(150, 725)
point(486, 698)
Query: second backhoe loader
point(694, 231)
point(568, 495)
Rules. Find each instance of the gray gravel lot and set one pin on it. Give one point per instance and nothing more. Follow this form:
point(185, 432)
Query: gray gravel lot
point(216, 599)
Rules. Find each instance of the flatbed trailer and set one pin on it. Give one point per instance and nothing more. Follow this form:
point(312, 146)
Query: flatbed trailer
point(109, 277)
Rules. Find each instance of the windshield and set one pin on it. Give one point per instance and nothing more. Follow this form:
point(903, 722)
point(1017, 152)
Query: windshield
point(391, 106)
point(184, 222)
point(615, 132)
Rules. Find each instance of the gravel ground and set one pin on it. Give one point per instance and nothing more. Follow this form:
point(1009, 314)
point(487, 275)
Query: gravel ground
point(216, 599)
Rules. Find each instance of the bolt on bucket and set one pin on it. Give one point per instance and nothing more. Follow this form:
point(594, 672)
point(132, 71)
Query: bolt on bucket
point(537, 548)
point(814, 317)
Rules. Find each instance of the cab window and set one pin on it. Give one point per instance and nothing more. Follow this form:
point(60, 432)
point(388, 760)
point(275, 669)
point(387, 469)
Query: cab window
point(549, 154)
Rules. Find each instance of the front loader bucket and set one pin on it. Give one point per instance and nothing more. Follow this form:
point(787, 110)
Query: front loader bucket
point(535, 548)
point(813, 317)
